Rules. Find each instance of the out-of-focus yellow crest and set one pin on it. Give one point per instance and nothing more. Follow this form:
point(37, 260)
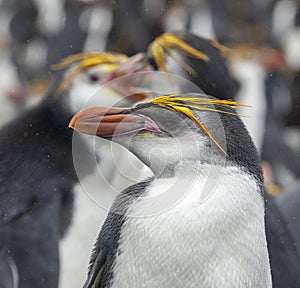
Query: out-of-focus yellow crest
point(185, 105)
point(224, 50)
point(84, 61)
point(166, 44)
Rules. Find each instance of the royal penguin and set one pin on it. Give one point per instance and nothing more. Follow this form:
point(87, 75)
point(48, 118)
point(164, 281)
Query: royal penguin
point(201, 61)
point(199, 222)
point(37, 173)
point(284, 257)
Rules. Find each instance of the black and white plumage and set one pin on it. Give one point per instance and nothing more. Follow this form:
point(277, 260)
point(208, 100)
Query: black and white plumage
point(37, 177)
point(219, 242)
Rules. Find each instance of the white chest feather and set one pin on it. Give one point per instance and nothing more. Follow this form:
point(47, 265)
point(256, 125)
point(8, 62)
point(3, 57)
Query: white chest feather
point(217, 243)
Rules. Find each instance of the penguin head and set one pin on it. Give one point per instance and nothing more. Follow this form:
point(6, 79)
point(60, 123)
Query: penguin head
point(170, 129)
point(200, 60)
point(79, 82)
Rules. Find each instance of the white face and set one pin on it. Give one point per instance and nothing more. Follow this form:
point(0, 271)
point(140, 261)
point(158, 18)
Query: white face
point(85, 90)
point(180, 140)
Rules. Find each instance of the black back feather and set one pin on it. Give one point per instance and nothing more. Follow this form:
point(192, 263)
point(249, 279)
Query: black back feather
point(106, 248)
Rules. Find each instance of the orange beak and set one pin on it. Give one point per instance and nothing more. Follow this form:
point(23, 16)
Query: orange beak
point(108, 122)
point(127, 85)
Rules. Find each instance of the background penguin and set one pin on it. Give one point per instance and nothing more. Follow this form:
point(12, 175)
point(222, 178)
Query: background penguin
point(199, 60)
point(37, 173)
point(217, 242)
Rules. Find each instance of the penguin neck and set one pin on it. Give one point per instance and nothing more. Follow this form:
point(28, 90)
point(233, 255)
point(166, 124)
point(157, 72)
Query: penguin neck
point(187, 168)
point(183, 169)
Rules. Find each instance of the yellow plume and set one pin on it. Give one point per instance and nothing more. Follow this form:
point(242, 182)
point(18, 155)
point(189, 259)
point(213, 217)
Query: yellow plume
point(84, 61)
point(185, 105)
point(166, 44)
point(225, 51)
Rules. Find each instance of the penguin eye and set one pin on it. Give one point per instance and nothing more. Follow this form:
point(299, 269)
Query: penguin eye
point(169, 125)
point(152, 62)
point(93, 78)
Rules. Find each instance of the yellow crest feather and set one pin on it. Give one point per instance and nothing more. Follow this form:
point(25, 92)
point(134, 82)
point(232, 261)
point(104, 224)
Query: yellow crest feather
point(84, 61)
point(185, 105)
point(166, 44)
point(225, 51)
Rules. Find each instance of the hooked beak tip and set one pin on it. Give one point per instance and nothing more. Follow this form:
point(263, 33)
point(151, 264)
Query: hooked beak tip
point(73, 121)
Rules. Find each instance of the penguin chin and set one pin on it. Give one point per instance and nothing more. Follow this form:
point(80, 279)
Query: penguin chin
point(174, 147)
